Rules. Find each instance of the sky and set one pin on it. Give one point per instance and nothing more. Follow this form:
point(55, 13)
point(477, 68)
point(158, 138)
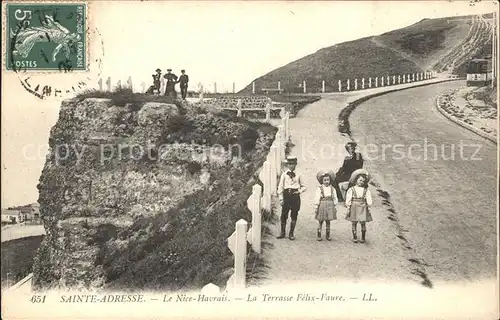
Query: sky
point(221, 42)
point(226, 42)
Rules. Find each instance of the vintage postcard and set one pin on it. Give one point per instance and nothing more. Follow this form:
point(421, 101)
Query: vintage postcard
point(250, 159)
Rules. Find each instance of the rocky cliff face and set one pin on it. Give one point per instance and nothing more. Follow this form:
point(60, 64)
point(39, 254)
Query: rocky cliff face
point(123, 186)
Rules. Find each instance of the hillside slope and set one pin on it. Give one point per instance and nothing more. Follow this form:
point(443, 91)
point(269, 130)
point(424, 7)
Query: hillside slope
point(438, 44)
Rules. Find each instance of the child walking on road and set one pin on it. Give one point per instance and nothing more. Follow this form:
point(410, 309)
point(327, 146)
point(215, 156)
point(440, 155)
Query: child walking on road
point(324, 202)
point(358, 203)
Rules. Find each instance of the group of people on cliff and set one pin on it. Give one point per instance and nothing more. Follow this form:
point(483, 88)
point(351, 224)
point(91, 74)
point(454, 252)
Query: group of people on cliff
point(171, 81)
point(348, 185)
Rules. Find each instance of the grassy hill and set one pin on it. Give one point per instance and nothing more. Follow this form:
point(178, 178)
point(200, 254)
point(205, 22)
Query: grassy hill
point(428, 44)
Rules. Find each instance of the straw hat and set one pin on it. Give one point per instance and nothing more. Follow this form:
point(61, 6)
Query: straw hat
point(356, 173)
point(322, 173)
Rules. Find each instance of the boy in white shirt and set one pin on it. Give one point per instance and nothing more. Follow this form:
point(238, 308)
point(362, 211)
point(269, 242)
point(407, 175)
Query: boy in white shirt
point(289, 189)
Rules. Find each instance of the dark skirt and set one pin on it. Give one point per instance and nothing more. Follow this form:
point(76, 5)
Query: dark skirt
point(326, 210)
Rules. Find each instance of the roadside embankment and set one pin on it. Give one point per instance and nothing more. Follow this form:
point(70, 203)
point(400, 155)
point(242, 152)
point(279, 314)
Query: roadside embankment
point(471, 108)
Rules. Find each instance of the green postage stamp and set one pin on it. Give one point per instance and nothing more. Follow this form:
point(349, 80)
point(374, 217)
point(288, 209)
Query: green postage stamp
point(46, 36)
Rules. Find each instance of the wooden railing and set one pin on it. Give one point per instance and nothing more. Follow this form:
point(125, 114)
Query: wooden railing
point(358, 83)
point(259, 201)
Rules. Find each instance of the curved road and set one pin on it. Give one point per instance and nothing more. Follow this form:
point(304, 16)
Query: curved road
point(444, 198)
point(443, 225)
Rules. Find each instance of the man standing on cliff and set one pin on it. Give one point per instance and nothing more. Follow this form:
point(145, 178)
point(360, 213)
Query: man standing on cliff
point(183, 80)
point(171, 81)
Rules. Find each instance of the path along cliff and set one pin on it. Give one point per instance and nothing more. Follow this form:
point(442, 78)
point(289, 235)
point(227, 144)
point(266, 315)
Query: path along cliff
point(388, 254)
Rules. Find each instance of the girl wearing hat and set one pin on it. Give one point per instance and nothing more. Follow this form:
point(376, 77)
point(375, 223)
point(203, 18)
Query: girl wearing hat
point(324, 202)
point(358, 203)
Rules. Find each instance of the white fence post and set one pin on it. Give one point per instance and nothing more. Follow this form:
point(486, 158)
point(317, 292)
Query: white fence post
point(356, 84)
point(376, 82)
point(108, 84)
point(323, 86)
point(408, 80)
point(268, 112)
point(304, 85)
point(210, 290)
point(348, 85)
point(254, 233)
point(265, 177)
point(279, 85)
point(284, 122)
point(287, 126)
point(273, 163)
point(238, 106)
point(237, 243)
point(279, 140)
point(279, 160)
point(369, 82)
point(283, 140)
point(388, 81)
point(413, 77)
point(100, 84)
point(163, 83)
point(129, 83)
point(253, 87)
point(393, 80)
point(382, 81)
point(399, 79)
point(340, 85)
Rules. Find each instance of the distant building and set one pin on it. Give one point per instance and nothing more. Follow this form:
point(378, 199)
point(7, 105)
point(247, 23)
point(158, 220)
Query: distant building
point(30, 212)
point(11, 216)
point(27, 213)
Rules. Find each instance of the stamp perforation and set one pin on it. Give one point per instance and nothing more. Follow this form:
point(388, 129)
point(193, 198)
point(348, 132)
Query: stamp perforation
point(87, 28)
